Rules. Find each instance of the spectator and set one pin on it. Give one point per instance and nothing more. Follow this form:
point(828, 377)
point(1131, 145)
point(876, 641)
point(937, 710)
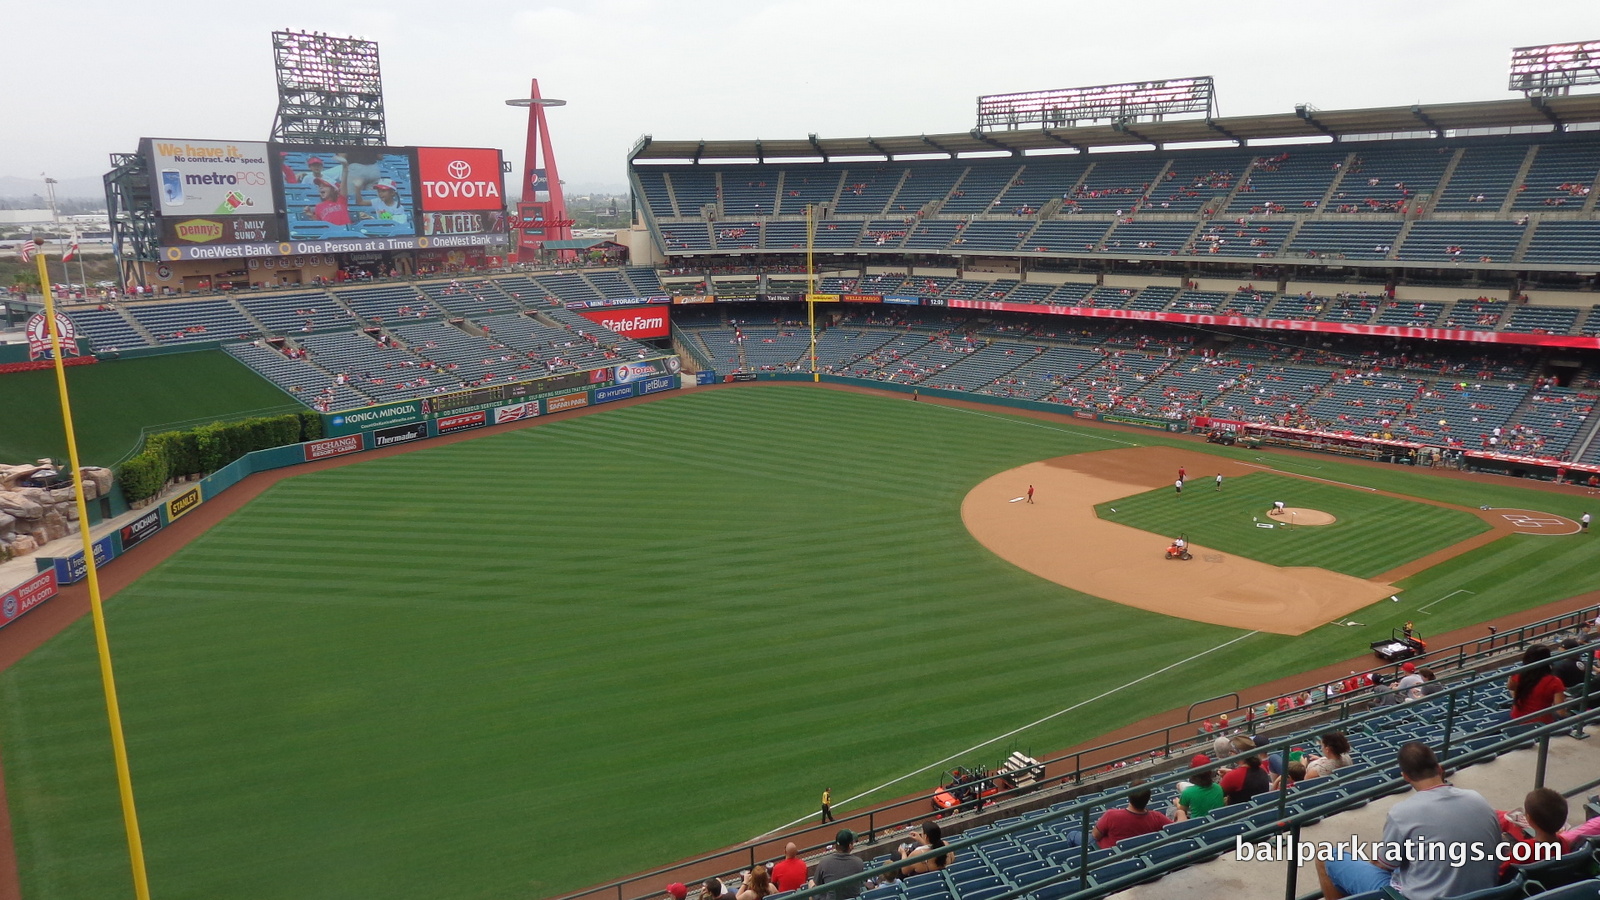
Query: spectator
point(1569, 670)
point(712, 890)
point(1203, 793)
point(1335, 755)
point(1409, 679)
point(756, 884)
point(1437, 813)
point(1248, 778)
point(789, 873)
point(677, 891)
point(1117, 824)
point(1430, 682)
point(1535, 689)
point(838, 865)
point(1543, 815)
point(928, 837)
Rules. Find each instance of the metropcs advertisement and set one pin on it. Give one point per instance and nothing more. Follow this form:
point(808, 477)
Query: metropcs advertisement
point(210, 178)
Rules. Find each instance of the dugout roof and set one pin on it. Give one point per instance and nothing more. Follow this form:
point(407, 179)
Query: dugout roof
point(1304, 122)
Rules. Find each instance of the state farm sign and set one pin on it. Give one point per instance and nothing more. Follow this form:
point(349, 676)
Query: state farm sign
point(633, 322)
point(460, 180)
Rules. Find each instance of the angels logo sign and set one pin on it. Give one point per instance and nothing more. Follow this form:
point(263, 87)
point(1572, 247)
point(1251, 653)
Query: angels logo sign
point(39, 336)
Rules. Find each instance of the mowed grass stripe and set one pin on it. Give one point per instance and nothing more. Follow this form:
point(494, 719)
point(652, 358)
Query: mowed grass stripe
point(697, 612)
point(1373, 533)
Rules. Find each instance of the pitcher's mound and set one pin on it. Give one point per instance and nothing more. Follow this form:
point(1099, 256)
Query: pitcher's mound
point(1299, 515)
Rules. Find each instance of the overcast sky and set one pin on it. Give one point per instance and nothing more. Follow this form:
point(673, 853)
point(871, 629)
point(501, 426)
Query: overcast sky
point(90, 77)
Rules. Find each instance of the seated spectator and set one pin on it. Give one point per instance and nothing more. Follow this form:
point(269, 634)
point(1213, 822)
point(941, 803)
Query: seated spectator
point(756, 884)
point(927, 838)
point(1430, 682)
point(712, 889)
point(1437, 813)
point(1569, 670)
point(1203, 794)
point(789, 873)
point(1539, 821)
point(1117, 824)
point(1335, 756)
point(841, 863)
point(1536, 689)
point(1248, 778)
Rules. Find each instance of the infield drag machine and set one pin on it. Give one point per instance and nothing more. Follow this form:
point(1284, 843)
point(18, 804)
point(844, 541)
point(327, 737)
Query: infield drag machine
point(1179, 548)
point(969, 788)
point(1402, 644)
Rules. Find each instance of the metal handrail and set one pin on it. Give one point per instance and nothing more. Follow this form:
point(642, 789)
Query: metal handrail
point(1457, 654)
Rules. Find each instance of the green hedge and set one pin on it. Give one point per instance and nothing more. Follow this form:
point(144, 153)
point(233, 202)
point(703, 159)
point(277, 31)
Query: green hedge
point(203, 450)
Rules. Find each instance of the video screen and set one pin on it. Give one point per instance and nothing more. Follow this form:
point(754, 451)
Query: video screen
point(347, 192)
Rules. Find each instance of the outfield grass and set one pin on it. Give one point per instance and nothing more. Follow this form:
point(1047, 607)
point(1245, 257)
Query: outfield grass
point(1373, 534)
point(537, 660)
point(112, 401)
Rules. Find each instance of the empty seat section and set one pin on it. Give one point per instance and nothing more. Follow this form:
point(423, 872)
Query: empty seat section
point(750, 190)
point(1481, 179)
point(1346, 240)
point(695, 187)
point(1565, 243)
point(980, 235)
point(1561, 176)
point(193, 322)
point(1384, 179)
point(652, 180)
point(867, 189)
point(1150, 238)
point(1195, 179)
point(1462, 241)
point(301, 312)
point(1542, 319)
point(1116, 185)
point(982, 190)
point(299, 378)
point(1291, 180)
point(388, 303)
point(1067, 236)
point(925, 183)
point(1044, 179)
point(107, 329)
point(685, 237)
point(1259, 238)
point(803, 185)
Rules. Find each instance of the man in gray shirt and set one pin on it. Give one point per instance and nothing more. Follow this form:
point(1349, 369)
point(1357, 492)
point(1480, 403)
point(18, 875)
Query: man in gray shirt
point(839, 864)
point(1439, 842)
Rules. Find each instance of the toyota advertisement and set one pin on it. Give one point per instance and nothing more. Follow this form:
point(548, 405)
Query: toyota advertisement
point(639, 322)
point(462, 191)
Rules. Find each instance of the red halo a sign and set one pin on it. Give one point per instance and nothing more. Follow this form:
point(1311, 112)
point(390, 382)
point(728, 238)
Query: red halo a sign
point(39, 336)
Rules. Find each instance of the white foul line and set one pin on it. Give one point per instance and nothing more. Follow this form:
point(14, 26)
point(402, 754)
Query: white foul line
point(1013, 732)
point(1424, 609)
point(1082, 432)
point(1311, 477)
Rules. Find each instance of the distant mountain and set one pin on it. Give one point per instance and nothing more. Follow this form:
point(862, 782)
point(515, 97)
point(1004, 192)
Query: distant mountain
point(86, 187)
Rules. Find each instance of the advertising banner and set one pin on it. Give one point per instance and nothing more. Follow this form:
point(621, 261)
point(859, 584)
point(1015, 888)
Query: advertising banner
point(634, 322)
point(358, 420)
point(600, 375)
point(680, 299)
point(338, 245)
point(451, 424)
point(449, 223)
point(71, 569)
point(903, 301)
point(657, 385)
point(570, 401)
point(705, 377)
point(346, 192)
point(183, 503)
point(737, 298)
point(1390, 331)
point(782, 298)
point(210, 178)
point(616, 301)
point(457, 179)
point(137, 531)
point(339, 446)
point(27, 595)
point(823, 298)
point(627, 372)
point(615, 392)
point(516, 412)
point(38, 334)
point(1140, 421)
point(400, 434)
point(861, 298)
point(220, 230)
point(742, 376)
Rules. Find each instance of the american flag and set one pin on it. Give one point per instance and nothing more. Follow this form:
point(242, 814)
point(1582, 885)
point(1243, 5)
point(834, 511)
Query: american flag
point(28, 249)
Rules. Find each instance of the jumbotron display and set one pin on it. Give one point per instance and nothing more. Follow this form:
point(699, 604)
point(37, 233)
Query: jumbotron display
point(237, 199)
point(1114, 102)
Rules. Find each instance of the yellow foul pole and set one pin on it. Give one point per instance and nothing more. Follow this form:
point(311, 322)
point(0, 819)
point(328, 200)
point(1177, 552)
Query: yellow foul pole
point(811, 286)
point(119, 749)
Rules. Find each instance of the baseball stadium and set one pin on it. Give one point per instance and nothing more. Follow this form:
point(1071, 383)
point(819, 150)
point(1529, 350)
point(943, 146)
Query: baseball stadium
point(998, 480)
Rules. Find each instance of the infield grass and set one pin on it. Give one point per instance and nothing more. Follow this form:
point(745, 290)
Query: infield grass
point(537, 660)
point(112, 401)
point(1373, 533)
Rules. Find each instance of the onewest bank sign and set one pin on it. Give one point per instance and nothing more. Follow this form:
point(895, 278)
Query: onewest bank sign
point(1433, 334)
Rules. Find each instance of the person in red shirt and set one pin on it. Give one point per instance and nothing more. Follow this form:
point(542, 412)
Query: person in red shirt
point(789, 873)
point(1537, 688)
point(1117, 824)
point(1543, 815)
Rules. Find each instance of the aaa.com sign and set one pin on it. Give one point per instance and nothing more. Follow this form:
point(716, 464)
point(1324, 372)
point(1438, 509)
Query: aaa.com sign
point(633, 322)
point(460, 180)
point(27, 595)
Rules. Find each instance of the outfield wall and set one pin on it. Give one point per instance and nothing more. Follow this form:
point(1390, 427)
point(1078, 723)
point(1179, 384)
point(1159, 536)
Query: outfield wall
point(418, 423)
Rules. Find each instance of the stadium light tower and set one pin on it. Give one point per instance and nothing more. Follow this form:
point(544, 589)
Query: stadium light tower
point(540, 220)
